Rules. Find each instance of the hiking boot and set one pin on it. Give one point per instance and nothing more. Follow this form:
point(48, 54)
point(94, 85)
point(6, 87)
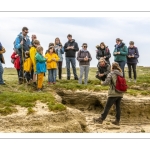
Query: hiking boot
point(34, 84)
point(130, 80)
point(54, 82)
point(98, 120)
point(134, 80)
point(116, 122)
point(20, 81)
point(3, 83)
point(39, 90)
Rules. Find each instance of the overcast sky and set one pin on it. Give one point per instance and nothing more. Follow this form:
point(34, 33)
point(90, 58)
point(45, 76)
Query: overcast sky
point(89, 30)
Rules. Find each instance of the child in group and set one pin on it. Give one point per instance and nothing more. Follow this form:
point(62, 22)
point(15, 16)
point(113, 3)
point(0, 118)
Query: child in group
point(27, 67)
point(52, 59)
point(36, 43)
point(40, 67)
point(16, 61)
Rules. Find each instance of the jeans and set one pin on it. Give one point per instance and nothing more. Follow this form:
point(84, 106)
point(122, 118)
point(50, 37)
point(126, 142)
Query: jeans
point(71, 60)
point(52, 75)
point(1, 73)
point(109, 103)
point(134, 70)
point(122, 65)
point(84, 70)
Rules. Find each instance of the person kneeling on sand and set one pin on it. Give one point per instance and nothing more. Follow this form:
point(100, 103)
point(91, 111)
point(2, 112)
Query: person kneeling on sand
point(103, 69)
point(114, 97)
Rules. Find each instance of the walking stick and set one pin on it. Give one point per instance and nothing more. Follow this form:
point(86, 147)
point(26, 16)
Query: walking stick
point(22, 61)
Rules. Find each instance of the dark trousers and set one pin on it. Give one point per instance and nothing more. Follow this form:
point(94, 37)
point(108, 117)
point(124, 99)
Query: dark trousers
point(109, 103)
point(32, 72)
point(18, 70)
point(60, 69)
point(122, 65)
point(28, 76)
point(21, 64)
point(133, 66)
point(101, 78)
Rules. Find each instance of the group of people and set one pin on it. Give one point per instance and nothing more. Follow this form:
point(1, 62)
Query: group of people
point(31, 64)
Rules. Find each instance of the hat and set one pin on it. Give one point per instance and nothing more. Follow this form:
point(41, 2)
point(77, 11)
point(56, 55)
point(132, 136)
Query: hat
point(69, 35)
point(84, 44)
point(131, 43)
point(118, 39)
point(97, 46)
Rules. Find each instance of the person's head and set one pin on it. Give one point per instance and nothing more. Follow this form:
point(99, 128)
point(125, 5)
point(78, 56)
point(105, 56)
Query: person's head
point(115, 66)
point(33, 37)
point(57, 41)
point(51, 49)
point(27, 54)
point(69, 36)
point(40, 49)
point(102, 62)
point(131, 43)
point(102, 45)
point(84, 46)
point(50, 44)
point(118, 41)
point(25, 31)
point(36, 43)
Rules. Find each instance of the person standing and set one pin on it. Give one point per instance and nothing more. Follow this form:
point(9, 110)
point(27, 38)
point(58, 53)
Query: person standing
point(2, 50)
point(22, 44)
point(34, 37)
point(114, 97)
point(84, 58)
point(59, 49)
point(103, 52)
point(70, 48)
point(120, 54)
point(132, 60)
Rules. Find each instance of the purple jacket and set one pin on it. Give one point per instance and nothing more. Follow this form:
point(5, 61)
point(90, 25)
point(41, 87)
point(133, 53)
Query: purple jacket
point(133, 51)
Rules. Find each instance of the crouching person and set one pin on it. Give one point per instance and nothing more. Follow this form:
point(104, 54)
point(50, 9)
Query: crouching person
point(114, 97)
point(40, 67)
point(103, 69)
point(27, 67)
point(84, 58)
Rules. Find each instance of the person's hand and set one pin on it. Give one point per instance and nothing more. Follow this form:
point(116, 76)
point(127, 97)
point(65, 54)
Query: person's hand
point(72, 47)
point(21, 42)
point(104, 57)
point(118, 52)
point(132, 56)
point(129, 56)
point(102, 82)
point(16, 56)
point(54, 59)
point(115, 53)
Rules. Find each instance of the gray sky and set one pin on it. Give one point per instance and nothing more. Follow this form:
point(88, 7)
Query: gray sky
point(89, 30)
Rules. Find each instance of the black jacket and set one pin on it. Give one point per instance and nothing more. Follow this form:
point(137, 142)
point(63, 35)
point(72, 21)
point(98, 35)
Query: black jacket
point(104, 70)
point(107, 54)
point(71, 52)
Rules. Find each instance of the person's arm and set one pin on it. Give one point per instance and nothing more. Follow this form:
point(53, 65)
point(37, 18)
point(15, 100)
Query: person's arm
point(56, 57)
point(97, 55)
point(40, 58)
point(3, 50)
point(107, 80)
point(124, 52)
point(13, 56)
point(48, 59)
point(65, 47)
point(90, 58)
point(137, 53)
point(108, 54)
point(17, 43)
point(0, 46)
point(76, 48)
point(108, 70)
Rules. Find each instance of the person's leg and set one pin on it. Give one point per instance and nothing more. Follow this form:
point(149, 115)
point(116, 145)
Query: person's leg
point(118, 112)
point(54, 75)
point(28, 77)
point(73, 63)
point(86, 75)
point(60, 69)
point(1, 73)
point(122, 65)
point(129, 71)
point(81, 74)
point(109, 103)
point(68, 67)
point(134, 71)
point(40, 80)
point(32, 73)
point(50, 75)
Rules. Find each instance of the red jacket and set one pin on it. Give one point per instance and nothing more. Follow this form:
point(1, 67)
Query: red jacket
point(17, 60)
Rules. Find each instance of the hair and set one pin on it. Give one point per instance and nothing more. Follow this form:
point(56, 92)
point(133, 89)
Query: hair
point(51, 48)
point(84, 44)
point(131, 43)
point(55, 41)
point(36, 42)
point(102, 59)
point(115, 66)
point(39, 49)
point(69, 35)
point(24, 28)
point(27, 53)
point(50, 44)
point(102, 43)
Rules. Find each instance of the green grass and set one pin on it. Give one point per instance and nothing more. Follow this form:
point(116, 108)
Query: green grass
point(26, 96)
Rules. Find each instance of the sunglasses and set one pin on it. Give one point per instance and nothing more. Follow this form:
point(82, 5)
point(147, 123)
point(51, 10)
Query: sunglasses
point(85, 46)
point(26, 32)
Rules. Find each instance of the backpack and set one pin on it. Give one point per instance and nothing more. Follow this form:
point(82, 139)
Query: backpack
point(121, 85)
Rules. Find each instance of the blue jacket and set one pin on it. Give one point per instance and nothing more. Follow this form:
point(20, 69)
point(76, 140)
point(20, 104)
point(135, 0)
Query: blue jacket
point(26, 42)
point(59, 52)
point(133, 51)
point(40, 63)
point(0, 46)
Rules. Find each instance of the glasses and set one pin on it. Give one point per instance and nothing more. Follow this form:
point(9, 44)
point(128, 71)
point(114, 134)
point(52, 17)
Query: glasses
point(85, 46)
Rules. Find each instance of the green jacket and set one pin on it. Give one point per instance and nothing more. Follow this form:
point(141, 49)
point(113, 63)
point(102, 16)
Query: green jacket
point(123, 53)
point(111, 78)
